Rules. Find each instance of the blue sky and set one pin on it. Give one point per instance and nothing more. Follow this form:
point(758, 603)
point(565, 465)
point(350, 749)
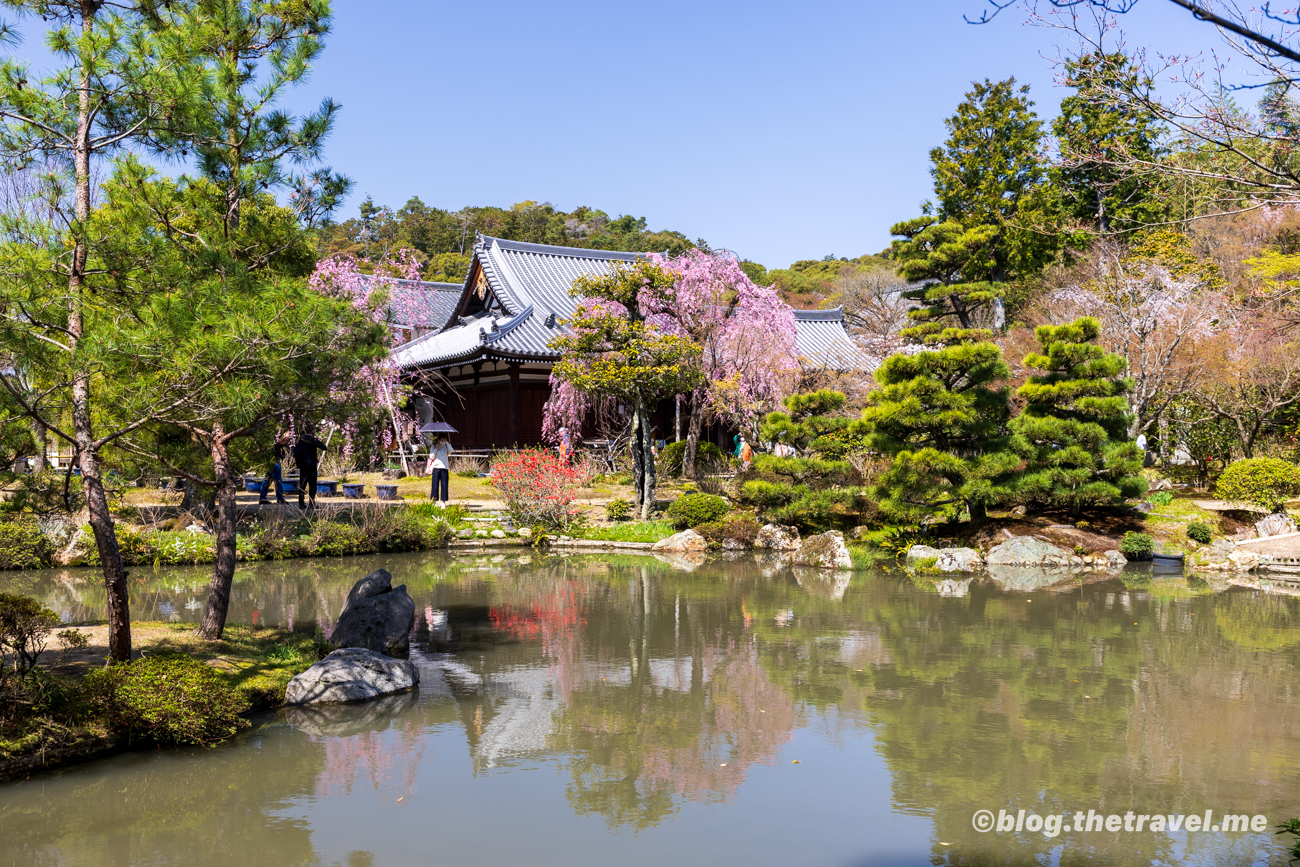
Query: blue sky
point(781, 131)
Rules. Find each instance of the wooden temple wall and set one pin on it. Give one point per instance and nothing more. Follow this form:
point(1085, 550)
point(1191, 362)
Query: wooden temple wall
point(498, 404)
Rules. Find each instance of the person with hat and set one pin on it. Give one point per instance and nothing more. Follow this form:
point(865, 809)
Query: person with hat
point(440, 470)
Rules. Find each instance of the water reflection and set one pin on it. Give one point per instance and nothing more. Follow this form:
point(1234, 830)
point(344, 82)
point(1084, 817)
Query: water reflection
point(670, 704)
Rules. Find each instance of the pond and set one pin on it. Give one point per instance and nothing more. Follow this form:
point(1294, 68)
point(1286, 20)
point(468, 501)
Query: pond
point(622, 710)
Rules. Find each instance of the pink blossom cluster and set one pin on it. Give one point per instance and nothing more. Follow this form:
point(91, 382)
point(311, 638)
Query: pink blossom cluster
point(746, 335)
point(375, 295)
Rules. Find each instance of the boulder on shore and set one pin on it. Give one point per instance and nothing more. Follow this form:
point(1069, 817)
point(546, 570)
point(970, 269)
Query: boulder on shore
point(351, 674)
point(825, 551)
point(685, 541)
point(1028, 551)
point(1275, 524)
point(918, 554)
point(376, 616)
point(945, 559)
point(777, 537)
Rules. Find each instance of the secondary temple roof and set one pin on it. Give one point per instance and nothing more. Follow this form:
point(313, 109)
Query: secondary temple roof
point(516, 293)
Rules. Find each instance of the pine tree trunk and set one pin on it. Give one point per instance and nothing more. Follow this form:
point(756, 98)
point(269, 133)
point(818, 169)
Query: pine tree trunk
point(694, 428)
point(978, 513)
point(101, 519)
point(223, 572)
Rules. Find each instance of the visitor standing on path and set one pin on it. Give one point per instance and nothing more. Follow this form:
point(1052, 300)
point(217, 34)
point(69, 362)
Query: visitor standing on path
point(304, 455)
point(440, 470)
point(275, 473)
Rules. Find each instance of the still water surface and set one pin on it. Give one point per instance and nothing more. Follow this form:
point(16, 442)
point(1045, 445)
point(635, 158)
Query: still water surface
point(623, 710)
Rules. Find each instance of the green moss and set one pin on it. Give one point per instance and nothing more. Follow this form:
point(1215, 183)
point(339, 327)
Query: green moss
point(168, 699)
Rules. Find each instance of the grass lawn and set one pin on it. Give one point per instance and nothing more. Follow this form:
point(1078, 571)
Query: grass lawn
point(1168, 523)
point(258, 661)
point(632, 531)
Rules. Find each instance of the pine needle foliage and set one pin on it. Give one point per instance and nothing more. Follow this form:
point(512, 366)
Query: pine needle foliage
point(1072, 433)
point(941, 417)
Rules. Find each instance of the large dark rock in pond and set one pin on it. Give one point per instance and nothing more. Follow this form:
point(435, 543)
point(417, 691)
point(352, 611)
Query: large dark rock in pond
point(377, 616)
point(351, 674)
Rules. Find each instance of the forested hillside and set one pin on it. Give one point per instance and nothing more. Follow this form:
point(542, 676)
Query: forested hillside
point(443, 239)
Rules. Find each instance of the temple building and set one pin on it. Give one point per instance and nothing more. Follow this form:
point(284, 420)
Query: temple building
point(478, 353)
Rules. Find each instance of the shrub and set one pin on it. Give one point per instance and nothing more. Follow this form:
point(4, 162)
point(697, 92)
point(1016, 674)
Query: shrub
point(899, 540)
point(25, 627)
point(673, 455)
point(691, 510)
point(538, 488)
point(737, 528)
point(1199, 532)
point(1263, 482)
point(618, 510)
point(1136, 546)
point(24, 546)
point(1160, 498)
point(172, 699)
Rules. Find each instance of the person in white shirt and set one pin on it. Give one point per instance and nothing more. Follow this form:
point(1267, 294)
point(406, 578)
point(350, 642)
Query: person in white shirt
point(440, 470)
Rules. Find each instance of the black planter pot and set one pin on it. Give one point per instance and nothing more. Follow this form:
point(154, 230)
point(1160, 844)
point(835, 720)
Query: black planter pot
point(1167, 560)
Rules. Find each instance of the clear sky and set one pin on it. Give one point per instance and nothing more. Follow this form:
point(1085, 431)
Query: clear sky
point(781, 131)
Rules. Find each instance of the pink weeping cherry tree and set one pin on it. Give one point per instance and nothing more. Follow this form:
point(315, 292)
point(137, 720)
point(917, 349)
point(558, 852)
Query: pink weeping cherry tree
point(378, 390)
point(747, 358)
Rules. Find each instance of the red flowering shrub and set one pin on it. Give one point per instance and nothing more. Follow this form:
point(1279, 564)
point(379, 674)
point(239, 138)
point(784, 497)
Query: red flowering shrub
point(537, 487)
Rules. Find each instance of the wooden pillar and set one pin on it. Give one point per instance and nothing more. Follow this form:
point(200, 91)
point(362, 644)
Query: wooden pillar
point(514, 405)
point(475, 400)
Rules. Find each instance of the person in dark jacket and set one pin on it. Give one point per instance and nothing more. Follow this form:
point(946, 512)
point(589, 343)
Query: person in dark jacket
point(275, 474)
point(304, 455)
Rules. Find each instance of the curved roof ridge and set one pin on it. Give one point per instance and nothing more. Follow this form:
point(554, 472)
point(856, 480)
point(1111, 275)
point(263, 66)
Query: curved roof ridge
point(828, 314)
point(511, 286)
point(553, 250)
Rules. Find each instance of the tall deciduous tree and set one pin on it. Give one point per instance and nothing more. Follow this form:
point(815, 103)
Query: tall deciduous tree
point(748, 357)
point(127, 75)
point(612, 349)
point(1072, 433)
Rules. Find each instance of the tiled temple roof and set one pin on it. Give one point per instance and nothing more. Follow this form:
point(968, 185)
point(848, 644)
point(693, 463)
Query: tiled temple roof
point(531, 281)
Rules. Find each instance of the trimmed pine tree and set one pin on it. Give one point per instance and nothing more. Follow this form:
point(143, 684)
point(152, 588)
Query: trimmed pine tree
point(1072, 433)
point(941, 417)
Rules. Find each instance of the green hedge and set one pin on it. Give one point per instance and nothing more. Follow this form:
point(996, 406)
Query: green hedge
point(1263, 482)
point(691, 510)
